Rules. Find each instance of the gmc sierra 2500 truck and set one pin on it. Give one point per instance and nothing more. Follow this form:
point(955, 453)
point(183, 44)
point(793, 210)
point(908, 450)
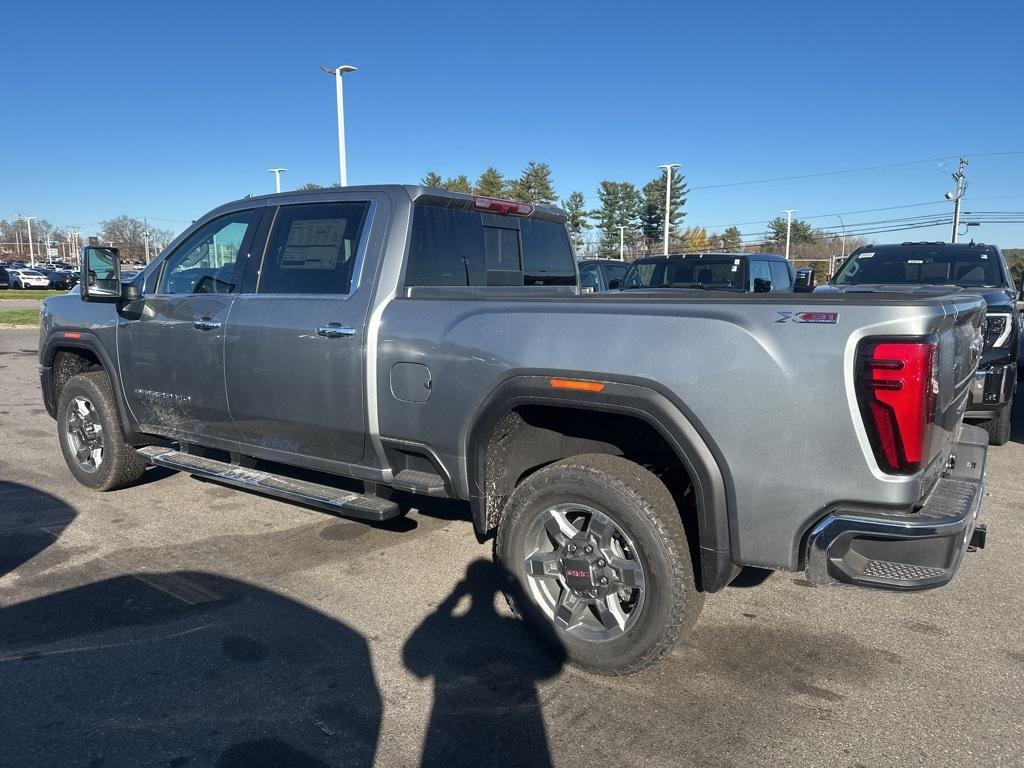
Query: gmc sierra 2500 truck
point(631, 451)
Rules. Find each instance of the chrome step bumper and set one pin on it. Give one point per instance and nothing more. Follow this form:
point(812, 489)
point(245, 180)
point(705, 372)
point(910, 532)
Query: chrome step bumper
point(326, 497)
point(907, 551)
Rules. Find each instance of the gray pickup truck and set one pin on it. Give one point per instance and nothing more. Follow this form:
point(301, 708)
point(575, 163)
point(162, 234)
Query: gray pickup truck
point(630, 451)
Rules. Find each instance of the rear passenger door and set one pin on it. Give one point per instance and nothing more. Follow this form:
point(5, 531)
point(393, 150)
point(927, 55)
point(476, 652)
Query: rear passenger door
point(295, 353)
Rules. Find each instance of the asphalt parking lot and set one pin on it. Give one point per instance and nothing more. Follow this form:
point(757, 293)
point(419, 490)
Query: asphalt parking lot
point(181, 623)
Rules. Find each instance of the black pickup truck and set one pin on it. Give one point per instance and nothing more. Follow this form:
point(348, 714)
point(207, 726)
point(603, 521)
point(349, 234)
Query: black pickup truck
point(936, 268)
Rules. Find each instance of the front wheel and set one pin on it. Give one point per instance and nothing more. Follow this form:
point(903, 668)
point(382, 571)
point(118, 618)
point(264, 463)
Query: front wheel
point(998, 427)
point(596, 544)
point(90, 434)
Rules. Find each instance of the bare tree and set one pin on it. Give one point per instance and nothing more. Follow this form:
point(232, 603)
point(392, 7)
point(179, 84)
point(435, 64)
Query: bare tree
point(129, 234)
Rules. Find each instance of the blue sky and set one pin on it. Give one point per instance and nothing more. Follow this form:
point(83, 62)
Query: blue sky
point(166, 110)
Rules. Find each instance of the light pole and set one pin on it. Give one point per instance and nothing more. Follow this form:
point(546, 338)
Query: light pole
point(622, 243)
point(338, 72)
point(842, 250)
point(668, 200)
point(789, 223)
point(31, 249)
point(277, 178)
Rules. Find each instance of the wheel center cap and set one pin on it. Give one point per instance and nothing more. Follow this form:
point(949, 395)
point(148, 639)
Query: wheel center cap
point(579, 574)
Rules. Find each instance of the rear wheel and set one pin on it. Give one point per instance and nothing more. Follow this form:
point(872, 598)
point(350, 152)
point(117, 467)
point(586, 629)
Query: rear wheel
point(90, 434)
point(998, 428)
point(596, 544)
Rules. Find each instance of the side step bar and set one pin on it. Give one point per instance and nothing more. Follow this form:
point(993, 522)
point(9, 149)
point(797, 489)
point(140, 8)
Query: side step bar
point(326, 497)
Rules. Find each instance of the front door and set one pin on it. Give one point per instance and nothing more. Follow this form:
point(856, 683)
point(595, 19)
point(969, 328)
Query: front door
point(294, 365)
point(171, 343)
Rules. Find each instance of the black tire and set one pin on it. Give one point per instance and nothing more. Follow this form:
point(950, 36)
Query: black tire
point(998, 428)
point(120, 465)
point(641, 507)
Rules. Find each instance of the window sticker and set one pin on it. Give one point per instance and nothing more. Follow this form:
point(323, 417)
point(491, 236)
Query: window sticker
point(867, 255)
point(915, 261)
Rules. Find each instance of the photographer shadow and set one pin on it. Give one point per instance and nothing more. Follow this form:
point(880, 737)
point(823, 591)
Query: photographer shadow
point(485, 668)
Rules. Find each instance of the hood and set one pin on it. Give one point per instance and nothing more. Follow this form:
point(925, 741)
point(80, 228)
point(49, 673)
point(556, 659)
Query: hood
point(996, 297)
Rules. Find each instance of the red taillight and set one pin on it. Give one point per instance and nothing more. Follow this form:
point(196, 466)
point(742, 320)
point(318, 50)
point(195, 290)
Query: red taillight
point(496, 205)
point(897, 399)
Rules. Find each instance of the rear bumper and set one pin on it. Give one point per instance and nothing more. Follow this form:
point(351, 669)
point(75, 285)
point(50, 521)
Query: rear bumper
point(920, 550)
point(991, 389)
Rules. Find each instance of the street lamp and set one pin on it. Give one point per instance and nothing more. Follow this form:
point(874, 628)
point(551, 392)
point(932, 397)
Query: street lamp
point(668, 199)
point(842, 254)
point(338, 72)
point(789, 223)
point(31, 249)
point(622, 242)
point(277, 177)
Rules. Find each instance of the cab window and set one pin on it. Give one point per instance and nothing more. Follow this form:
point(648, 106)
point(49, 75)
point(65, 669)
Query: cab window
point(205, 262)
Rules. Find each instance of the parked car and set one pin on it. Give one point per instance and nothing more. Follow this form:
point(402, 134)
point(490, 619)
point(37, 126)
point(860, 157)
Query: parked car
point(61, 280)
point(5, 279)
point(602, 274)
point(436, 343)
point(737, 272)
point(937, 267)
point(28, 278)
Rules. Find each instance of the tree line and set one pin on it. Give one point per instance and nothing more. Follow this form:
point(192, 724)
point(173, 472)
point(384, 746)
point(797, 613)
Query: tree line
point(126, 232)
point(637, 216)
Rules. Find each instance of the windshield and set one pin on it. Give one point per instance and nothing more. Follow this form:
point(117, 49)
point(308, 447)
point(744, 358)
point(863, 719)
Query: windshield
point(718, 272)
point(923, 265)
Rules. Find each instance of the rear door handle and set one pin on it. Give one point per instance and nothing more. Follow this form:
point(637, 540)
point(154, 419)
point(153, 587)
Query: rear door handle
point(335, 332)
point(205, 324)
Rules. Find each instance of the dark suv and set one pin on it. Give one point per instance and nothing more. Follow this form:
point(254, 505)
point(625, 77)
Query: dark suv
point(926, 267)
point(5, 279)
point(738, 272)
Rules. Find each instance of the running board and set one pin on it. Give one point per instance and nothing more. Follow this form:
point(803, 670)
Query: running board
point(326, 497)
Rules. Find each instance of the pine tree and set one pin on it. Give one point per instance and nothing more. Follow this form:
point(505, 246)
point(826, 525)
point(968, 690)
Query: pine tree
point(800, 232)
point(653, 214)
point(621, 204)
point(534, 185)
point(490, 184)
point(432, 179)
point(576, 217)
point(732, 240)
point(458, 184)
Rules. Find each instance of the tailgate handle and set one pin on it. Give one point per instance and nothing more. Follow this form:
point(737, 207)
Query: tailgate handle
point(334, 331)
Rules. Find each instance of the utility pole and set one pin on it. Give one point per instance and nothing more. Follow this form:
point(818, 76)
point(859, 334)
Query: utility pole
point(789, 223)
point(342, 163)
point(145, 235)
point(277, 178)
point(622, 243)
point(961, 187)
point(667, 224)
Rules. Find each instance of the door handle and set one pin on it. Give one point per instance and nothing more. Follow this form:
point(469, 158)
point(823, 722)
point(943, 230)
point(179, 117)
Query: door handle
point(205, 324)
point(335, 332)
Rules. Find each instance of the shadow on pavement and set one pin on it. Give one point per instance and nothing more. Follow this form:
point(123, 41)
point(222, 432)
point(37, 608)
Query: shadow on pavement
point(167, 668)
point(485, 668)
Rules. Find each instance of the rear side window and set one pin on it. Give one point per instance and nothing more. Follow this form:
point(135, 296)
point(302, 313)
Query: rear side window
point(459, 247)
point(312, 248)
point(780, 276)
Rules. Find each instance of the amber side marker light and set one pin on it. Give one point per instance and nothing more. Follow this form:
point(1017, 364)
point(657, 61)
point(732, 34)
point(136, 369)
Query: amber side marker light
point(577, 384)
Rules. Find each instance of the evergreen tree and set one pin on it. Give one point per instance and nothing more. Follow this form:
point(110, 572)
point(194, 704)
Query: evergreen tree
point(309, 187)
point(732, 240)
point(621, 203)
point(652, 217)
point(490, 184)
point(458, 184)
point(576, 217)
point(800, 232)
point(534, 185)
point(433, 180)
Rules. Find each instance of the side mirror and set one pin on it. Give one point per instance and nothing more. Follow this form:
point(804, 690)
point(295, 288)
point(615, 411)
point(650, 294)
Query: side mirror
point(762, 285)
point(101, 274)
point(614, 284)
point(804, 281)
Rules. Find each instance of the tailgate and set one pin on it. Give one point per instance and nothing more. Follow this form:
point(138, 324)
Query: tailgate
point(960, 343)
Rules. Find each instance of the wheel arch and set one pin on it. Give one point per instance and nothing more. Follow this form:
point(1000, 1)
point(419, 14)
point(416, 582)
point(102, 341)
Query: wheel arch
point(636, 401)
point(58, 363)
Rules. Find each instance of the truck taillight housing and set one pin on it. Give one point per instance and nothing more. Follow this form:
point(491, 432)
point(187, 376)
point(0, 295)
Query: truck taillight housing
point(896, 389)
